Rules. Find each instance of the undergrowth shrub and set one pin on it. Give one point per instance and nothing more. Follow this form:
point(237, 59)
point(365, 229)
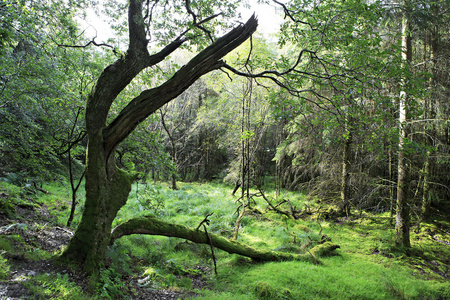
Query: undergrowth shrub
point(150, 198)
point(45, 286)
point(4, 267)
point(159, 278)
point(11, 196)
point(111, 284)
point(6, 206)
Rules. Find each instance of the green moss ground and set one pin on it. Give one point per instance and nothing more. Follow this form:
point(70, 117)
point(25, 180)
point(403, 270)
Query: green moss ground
point(366, 267)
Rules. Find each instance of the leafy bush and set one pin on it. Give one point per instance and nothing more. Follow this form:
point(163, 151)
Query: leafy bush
point(4, 267)
point(6, 206)
point(10, 196)
point(57, 286)
point(111, 284)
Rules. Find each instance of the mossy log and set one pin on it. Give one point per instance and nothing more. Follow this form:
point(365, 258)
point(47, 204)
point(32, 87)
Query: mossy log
point(155, 226)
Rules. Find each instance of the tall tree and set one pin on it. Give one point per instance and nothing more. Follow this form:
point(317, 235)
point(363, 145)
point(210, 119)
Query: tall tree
point(403, 206)
point(107, 186)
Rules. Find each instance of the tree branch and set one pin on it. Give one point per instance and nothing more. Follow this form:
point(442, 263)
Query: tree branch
point(136, 26)
point(91, 42)
point(118, 75)
point(150, 100)
point(155, 226)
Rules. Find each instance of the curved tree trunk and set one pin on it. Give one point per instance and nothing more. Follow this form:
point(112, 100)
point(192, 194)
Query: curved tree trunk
point(107, 187)
point(155, 226)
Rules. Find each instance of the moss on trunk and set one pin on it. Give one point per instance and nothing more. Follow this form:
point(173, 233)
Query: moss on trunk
point(155, 226)
point(107, 189)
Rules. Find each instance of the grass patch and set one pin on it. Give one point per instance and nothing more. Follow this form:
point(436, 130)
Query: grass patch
point(55, 287)
point(367, 267)
point(339, 278)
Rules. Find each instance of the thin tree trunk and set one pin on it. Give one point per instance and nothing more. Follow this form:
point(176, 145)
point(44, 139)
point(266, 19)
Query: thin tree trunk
point(345, 178)
point(426, 197)
point(402, 224)
point(74, 190)
point(429, 114)
point(245, 153)
point(391, 189)
point(173, 151)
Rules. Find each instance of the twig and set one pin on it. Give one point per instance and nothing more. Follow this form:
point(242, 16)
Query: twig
point(238, 220)
point(275, 207)
point(91, 42)
point(290, 233)
point(40, 189)
point(65, 230)
point(212, 249)
point(205, 220)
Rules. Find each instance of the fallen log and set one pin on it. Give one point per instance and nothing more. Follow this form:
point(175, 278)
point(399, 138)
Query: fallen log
point(155, 226)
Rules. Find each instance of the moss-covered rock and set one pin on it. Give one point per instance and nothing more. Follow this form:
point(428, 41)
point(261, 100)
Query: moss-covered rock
point(325, 249)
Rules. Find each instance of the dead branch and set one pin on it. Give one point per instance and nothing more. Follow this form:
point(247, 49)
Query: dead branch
point(155, 226)
point(205, 220)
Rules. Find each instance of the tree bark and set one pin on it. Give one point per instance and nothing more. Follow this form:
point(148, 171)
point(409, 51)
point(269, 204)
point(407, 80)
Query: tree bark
point(430, 114)
point(107, 187)
point(154, 226)
point(403, 211)
point(346, 165)
point(173, 150)
point(426, 197)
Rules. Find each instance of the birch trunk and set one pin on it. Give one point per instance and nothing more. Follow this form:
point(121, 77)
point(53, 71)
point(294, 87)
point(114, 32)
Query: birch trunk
point(402, 223)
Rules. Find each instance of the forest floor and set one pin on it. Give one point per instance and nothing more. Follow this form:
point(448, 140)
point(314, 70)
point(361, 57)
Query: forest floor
point(33, 231)
point(141, 267)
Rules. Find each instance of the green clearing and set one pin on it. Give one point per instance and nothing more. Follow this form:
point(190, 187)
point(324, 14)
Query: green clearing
point(365, 267)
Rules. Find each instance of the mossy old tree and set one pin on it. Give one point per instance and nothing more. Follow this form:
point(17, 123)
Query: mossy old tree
point(107, 187)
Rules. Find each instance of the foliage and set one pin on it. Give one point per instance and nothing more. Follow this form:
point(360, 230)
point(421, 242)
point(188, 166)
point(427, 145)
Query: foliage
point(366, 248)
point(11, 196)
point(4, 267)
point(41, 85)
point(45, 286)
point(111, 284)
point(346, 96)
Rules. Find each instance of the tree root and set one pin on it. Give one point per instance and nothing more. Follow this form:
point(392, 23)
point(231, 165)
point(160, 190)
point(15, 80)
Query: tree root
point(155, 226)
